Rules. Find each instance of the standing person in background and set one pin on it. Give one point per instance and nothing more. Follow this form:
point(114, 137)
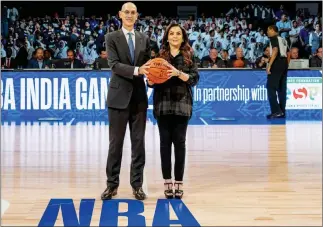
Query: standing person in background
point(128, 51)
point(173, 104)
point(277, 69)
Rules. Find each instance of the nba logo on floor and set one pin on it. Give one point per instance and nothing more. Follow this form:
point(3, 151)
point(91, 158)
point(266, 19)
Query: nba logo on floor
point(110, 213)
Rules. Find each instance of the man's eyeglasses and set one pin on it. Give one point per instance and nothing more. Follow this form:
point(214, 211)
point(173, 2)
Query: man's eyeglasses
point(127, 12)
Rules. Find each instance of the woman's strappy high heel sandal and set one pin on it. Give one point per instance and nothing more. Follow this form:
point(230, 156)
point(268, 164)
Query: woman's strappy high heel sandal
point(169, 194)
point(178, 192)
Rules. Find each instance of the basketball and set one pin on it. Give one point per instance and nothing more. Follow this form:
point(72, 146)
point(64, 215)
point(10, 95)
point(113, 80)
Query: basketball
point(158, 71)
point(238, 63)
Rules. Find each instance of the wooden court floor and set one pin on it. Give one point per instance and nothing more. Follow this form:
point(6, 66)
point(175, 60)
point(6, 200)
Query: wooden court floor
point(238, 175)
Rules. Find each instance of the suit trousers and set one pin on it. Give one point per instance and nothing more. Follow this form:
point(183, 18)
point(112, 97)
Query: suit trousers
point(172, 130)
point(277, 83)
point(118, 120)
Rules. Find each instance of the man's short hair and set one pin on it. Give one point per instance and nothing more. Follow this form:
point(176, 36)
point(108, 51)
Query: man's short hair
point(71, 50)
point(273, 27)
point(102, 49)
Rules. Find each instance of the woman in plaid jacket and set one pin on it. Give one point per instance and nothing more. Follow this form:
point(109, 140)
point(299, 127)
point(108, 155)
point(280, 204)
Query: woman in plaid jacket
point(173, 102)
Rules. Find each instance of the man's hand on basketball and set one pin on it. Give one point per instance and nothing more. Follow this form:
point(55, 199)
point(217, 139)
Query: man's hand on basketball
point(143, 69)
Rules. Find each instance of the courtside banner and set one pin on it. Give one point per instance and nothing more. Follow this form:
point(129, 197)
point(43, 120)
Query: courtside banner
point(219, 93)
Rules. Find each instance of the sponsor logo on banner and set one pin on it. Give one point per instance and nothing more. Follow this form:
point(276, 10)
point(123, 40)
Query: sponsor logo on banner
point(304, 93)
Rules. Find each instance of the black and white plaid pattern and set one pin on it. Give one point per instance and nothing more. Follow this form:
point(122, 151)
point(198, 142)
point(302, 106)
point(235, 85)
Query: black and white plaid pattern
point(175, 96)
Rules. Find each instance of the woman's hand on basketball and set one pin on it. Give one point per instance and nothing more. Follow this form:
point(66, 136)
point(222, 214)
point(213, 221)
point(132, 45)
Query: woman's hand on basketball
point(173, 71)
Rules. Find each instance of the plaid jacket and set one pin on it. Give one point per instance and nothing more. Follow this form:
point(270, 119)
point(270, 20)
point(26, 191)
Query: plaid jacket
point(175, 96)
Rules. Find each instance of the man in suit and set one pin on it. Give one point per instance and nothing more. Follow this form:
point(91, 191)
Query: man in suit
point(102, 61)
point(70, 63)
point(316, 61)
point(8, 62)
point(39, 62)
point(128, 56)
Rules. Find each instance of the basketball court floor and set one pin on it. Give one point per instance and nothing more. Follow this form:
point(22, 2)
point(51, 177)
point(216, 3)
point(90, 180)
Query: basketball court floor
point(238, 175)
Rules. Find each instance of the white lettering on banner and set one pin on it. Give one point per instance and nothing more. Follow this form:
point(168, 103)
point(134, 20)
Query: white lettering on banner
point(46, 94)
point(259, 93)
point(93, 94)
point(80, 98)
point(92, 98)
point(104, 92)
point(240, 94)
point(22, 94)
point(1, 100)
point(65, 95)
point(32, 93)
point(42, 93)
point(8, 95)
point(55, 93)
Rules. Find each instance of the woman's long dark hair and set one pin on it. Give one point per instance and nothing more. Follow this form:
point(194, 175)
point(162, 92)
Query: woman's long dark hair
point(185, 47)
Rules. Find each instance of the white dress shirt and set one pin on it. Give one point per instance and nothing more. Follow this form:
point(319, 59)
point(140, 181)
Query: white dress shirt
point(125, 32)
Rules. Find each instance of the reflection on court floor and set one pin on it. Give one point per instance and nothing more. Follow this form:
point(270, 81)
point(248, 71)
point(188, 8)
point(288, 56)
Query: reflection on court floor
point(235, 174)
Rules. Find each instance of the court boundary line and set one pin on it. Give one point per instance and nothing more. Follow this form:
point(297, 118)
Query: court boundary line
point(4, 206)
point(203, 121)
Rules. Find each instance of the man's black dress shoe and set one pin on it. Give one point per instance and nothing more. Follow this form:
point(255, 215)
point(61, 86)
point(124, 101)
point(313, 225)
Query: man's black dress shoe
point(108, 193)
point(276, 115)
point(139, 193)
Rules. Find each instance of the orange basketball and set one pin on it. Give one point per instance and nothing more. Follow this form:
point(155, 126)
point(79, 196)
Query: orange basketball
point(238, 63)
point(158, 71)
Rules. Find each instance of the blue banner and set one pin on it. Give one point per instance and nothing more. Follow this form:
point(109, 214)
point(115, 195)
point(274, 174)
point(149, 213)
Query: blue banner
point(220, 94)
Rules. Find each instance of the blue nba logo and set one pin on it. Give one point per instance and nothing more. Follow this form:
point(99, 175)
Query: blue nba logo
point(110, 213)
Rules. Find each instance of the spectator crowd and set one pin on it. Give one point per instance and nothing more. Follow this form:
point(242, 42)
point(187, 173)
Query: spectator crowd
point(79, 42)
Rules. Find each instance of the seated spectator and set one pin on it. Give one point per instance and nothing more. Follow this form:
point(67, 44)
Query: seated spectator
point(304, 35)
point(294, 34)
point(225, 58)
point(243, 27)
point(238, 60)
point(198, 47)
point(8, 62)
point(102, 61)
point(262, 61)
point(89, 53)
point(154, 53)
point(315, 38)
point(212, 60)
point(22, 55)
point(71, 62)
point(61, 51)
point(294, 53)
point(38, 62)
point(316, 61)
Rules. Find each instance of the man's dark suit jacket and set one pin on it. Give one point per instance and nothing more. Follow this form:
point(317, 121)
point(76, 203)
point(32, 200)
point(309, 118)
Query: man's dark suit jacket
point(13, 63)
point(315, 62)
point(123, 83)
point(101, 63)
point(33, 64)
point(66, 64)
